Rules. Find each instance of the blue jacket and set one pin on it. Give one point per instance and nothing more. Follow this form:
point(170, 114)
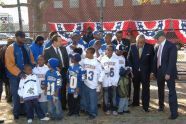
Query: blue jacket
point(36, 50)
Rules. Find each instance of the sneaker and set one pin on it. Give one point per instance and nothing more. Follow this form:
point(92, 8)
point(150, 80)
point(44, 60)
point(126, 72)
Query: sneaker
point(115, 113)
point(29, 121)
point(107, 112)
point(120, 113)
point(45, 119)
point(91, 117)
point(126, 111)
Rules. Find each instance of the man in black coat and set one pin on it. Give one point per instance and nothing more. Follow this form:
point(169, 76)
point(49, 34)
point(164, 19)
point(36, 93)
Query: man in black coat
point(141, 60)
point(165, 70)
point(56, 50)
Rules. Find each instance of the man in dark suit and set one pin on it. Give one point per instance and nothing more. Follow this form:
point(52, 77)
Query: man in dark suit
point(141, 60)
point(165, 71)
point(56, 50)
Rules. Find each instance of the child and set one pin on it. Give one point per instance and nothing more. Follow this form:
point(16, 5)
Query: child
point(40, 70)
point(94, 74)
point(75, 79)
point(53, 84)
point(123, 81)
point(29, 91)
point(111, 67)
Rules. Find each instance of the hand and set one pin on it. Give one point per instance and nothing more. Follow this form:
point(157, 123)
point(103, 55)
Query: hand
point(72, 47)
point(77, 90)
point(167, 77)
point(152, 77)
point(22, 75)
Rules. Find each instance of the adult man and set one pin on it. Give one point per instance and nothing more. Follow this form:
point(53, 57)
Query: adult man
point(165, 71)
point(48, 42)
point(16, 56)
point(88, 36)
point(37, 47)
point(59, 52)
point(120, 40)
point(141, 60)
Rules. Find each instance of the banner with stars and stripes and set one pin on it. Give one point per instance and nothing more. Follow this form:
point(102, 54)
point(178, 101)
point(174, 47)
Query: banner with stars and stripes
point(179, 27)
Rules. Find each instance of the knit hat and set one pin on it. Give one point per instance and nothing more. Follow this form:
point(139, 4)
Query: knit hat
point(54, 63)
point(76, 57)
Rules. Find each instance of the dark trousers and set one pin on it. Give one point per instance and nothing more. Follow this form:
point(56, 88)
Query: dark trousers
point(73, 104)
point(1, 88)
point(141, 78)
point(32, 105)
point(173, 104)
point(63, 89)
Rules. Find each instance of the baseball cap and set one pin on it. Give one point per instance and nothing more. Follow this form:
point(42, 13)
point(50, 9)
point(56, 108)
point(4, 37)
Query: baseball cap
point(96, 32)
point(120, 47)
point(76, 57)
point(54, 63)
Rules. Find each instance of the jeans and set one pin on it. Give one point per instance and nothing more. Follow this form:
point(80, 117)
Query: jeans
point(110, 98)
point(32, 105)
point(14, 85)
point(91, 101)
point(44, 107)
point(83, 98)
point(123, 105)
point(55, 109)
point(1, 88)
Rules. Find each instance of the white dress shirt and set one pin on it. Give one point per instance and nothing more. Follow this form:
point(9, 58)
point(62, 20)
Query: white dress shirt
point(162, 45)
point(61, 55)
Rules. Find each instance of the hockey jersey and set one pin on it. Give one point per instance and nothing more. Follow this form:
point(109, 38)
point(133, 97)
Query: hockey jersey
point(40, 72)
point(94, 73)
point(53, 83)
point(29, 88)
point(75, 74)
point(111, 69)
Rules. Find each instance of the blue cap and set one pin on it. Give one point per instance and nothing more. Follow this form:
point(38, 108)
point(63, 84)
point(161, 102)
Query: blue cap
point(76, 57)
point(96, 33)
point(54, 63)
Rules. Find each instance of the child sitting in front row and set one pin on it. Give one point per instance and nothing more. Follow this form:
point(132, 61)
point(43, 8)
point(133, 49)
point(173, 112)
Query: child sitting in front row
point(75, 73)
point(29, 91)
point(53, 84)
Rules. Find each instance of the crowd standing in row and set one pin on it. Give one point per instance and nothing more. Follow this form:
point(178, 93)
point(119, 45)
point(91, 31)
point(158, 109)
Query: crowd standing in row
point(90, 71)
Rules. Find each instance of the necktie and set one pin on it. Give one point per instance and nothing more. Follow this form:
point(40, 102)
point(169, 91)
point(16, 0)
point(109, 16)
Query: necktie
point(140, 52)
point(59, 56)
point(159, 56)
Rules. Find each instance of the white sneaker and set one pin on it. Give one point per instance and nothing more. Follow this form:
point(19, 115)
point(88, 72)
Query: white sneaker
point(45, 119)
point(115, 113)
point(107, 112)
point(29, 121)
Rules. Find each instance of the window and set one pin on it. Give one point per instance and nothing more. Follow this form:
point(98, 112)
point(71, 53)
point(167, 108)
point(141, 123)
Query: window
point(155, 2)
point(58, 4)
point(98, 2)
point(136, 2)
point(118, 2)
point(177, 1)
point(74, 3)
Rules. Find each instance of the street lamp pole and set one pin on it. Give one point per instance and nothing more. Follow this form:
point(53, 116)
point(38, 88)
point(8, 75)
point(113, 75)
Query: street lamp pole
point(101, 15)
point(19, 14)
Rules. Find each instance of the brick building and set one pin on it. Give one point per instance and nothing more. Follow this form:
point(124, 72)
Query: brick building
point(68, 11)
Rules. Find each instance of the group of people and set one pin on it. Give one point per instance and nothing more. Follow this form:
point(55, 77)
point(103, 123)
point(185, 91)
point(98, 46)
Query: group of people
point(90, 71)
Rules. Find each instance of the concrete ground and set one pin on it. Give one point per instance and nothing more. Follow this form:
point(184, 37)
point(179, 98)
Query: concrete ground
point(136, 115)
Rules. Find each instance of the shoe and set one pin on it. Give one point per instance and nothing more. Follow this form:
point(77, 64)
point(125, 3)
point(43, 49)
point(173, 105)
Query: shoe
point(120, 113)
point(70, 114)
point(126, 111)
point(107, 112)
point(29, 121)
point(1, 121)
point(160, 109)
point(99, 105)
point(135, 104)
point(16, 117)
point(45, 119)
point(173, 117)
point(146, 110)
point(91, 117)
point(115, 113)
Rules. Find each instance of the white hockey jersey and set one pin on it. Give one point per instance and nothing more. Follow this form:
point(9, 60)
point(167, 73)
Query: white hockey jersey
point(121, 60)
point(94, 72)
point(29, 88)
point(41, 72)
point(111, 68)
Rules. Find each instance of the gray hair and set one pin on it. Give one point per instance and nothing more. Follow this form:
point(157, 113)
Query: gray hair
point(140, 36)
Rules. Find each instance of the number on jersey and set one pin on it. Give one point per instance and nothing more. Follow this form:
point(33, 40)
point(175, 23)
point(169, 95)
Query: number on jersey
point(90, 75)
point(73, 82)
point(51, 89)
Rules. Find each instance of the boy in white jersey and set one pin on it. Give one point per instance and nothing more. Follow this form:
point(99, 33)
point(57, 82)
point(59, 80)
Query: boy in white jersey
point(110, 64)
point(30, 90)
point(94, 75)
point(40, 70)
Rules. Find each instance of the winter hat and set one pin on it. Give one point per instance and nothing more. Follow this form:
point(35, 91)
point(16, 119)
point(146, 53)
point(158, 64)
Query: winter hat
point(54, 63)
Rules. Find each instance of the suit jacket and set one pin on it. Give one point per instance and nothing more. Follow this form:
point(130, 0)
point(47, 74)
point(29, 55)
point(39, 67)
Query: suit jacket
point(51, 53)
point(143, 64)
point(168, 60)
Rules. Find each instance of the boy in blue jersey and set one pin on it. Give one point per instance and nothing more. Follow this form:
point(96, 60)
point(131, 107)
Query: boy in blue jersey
point(75, 73)
point(53, 83)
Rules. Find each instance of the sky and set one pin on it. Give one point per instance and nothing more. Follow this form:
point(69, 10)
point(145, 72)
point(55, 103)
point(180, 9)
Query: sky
point(14, 11)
